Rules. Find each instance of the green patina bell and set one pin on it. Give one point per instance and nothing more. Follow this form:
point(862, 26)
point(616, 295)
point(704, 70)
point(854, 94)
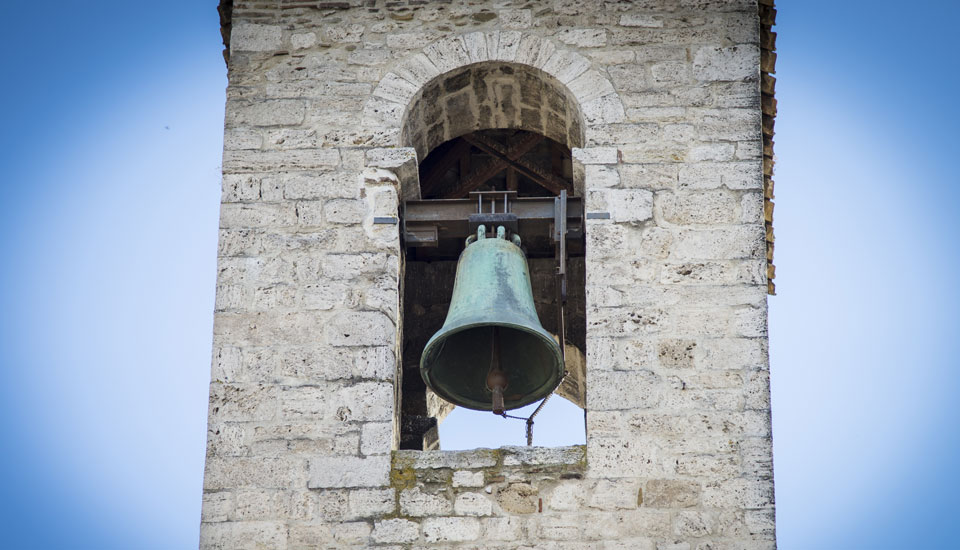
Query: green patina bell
point(492, 354)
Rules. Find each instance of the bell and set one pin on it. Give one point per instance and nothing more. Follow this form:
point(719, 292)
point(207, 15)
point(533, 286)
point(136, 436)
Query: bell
point(492, 354)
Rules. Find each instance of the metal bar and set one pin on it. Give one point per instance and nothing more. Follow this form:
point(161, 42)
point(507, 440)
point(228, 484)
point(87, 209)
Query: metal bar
point(540, 208)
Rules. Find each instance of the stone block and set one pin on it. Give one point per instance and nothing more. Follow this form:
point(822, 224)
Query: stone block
point(472, 504)
point(339, 472)
point(244, 535)
point(466, 478)
point(595, 155)
point(251, 37)
point(416, 503)
point(275, 112)
point(741, 62)
point(518, 498)
point(615, 495)
point(624, 205)
point(372, 503)
point(362, 328)
point(450, 529)
point(461, 460)
point(515, 19)
point(395, 531)
point(583, 38)
point(671, 493)
point(253, 472)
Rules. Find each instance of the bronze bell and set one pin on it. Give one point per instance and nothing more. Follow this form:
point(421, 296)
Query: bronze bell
point(492, 354)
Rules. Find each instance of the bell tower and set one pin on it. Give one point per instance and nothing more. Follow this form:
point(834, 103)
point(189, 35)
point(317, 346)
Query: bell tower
point(438, 204)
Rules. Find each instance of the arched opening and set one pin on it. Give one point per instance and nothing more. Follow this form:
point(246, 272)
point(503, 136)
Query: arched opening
point(504, 131)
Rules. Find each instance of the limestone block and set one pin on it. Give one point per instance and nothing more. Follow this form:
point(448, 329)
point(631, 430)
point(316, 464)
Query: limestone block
point(255, 38)
point(589, 86)
point(615, 495)
point(730, 124)
point(242, 138)
point(472, 504)
point(620, 390)
point(353, 266)
point(344, 210)
point(225, 439)
point(396, 531)
point(217, 506)
point(707, 466)
point(711, 207)
point(242, 402)
point(565, 65)
point(566, 527)
point(416, 503)
point(738, 493)
point(628, 77)
point(378, 363)
point(741, 62)
point(515, 19)
point(343, 33)
point(671, 493)
point(275, 112)
point(599, 176)
point(447, 54)
point(733, 353)
point(518, 498)
point(371, 503)
point(409, 40)
point(641, 20)
point(604, 110)
point(595, 155)
point(507, 46)
point(539, 456)
point(464, 460)
point(347, 471)
point(711, 151)
point(565, 496)
point(363, 401)
point(669, 74)
point(396, 89)
point(244, 535)
point(711, 175)
point(583, 38)
point(450, 529)
point(466, 478)
point(676, 353)
point(303, 40)
point(250, 215)
point(503, 528)
point(354, 532)
point(236, 162)
point(376, 438)
point(624, 205)
point(622, 458)
point(253, 473)
point(726, 243)
point(653, 176)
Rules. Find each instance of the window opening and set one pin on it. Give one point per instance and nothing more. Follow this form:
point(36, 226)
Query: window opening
point(520, 181)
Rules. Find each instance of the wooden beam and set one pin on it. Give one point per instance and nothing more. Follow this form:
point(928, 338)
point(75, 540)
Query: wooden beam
point(512, 157)
point(432, 179)
point(493, 166)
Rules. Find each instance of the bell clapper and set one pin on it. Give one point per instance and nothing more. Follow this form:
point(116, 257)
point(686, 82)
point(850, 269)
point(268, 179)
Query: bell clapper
point(496, 378)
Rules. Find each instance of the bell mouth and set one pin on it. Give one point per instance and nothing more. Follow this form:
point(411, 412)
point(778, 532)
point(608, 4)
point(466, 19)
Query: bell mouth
point(455, 365)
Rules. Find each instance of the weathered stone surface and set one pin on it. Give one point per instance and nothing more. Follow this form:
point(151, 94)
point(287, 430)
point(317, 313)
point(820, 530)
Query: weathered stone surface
point(329, 112)
point(519, 498)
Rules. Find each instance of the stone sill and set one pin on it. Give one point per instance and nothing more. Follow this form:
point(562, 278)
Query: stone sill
point(573, 459)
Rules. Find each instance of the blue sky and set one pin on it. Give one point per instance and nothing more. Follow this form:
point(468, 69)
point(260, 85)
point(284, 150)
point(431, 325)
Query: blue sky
point(111, 148)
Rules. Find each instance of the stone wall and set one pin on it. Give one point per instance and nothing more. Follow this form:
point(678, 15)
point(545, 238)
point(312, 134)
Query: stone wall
point(302, 425)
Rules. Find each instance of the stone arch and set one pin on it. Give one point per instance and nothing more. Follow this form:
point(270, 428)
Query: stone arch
point(589, 97)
